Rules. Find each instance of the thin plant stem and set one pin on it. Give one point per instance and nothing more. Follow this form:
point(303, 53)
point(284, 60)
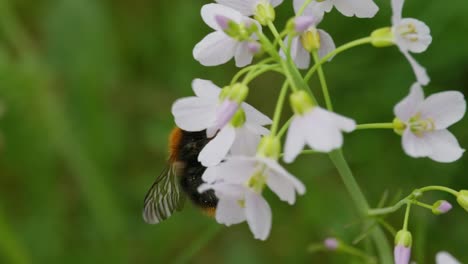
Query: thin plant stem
point(250, 68)
point(279, 108)
point(284, 128)
point(407, 214)
point(323, 82)
point(423, 205)
point(259, 71)
point(375, 126)
point(338, 50)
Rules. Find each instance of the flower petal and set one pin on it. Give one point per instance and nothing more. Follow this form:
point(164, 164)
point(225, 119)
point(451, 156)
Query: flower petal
point(210, 11)
point(215, 49)
point(415, 146)
point(205, 89)
point(275, 3)
point(243, 56)
point(445, 108)
point(322, 137)
point(419, 71)
point(327, 44)
point(397, 11)
point(216, 150)
point(358, 8)
point(315, 8)
point(229, 212)
point(275, 168)
point(445, 258)
point(258, 214)
point(341, 122)
point(300, 55)
point(246, 7)
point(246, 142)
point(254, 116)
point(294, 140)
point(408, 107)
point(194, 113)
point(445, 147)
point(235, 170)
point(402, 254)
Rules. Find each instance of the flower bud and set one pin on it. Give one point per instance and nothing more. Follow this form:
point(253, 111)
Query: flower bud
point(311, 40)
point(237, 93)
point(331, 244)
point(441, 207)
point(238, 119)
point(301, 102)
point(462, 199)
point(269, 147)
point(265, 13)
point(402, 251)
point(382, 37)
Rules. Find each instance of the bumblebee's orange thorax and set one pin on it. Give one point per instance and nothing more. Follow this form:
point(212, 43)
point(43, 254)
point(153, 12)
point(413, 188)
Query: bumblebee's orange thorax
point(174, 144)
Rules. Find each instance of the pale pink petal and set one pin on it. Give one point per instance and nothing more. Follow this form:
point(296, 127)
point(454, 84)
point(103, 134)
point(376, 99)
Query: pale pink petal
point(402, 254)
point(229, 212)
point(315, 8)
point(294, 139)
point(215, 49)
point(246, 142)
point(444, 109)
point(258, 214)
point(254, 116)
point(210, 11)
point(243, 56)
point(445, 147)
point(246, 7)
point(397, 10)
point(445, 258)
point(275, 3)
point(414, 42)
point(416, 146)
point(408, 107)
point(327, 44)
point(194, 113)
point(419, 71)
point(236, 169)
point(300, 55)
point(275, 168)
point(358, 8)
point(341, 122)
point(216, 150)
point(323, 137)
point(283, 189)
point(257, 129)
point(205, 89)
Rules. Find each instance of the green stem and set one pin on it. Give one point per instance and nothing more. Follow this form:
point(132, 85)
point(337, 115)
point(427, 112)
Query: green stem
point(355, 252)
point(323, 82)
point(259, 71)
point(439, 188)
point(390, 209)
point(284, 128)
point(375, 126)
point(279, 108)
point(303, 7)
point(250, 68)
point(338, 50)
point(424, 205)
point(407, 214)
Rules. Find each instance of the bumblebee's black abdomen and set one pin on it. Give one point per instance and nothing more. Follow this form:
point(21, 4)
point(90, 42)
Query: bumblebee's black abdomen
point(191, 144)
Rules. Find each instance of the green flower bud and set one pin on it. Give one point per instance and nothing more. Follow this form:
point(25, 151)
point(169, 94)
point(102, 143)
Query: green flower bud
point(301, 102)
point(441, 207)
point(382, 37)
point(269, 147)
point(398, 126)
point(238, 119)
point(265, 13)
point(404, 238)
point(237, 93)
point(462, 199)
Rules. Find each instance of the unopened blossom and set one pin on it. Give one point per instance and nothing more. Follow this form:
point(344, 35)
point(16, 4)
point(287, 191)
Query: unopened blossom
point(308, 38)
point(410, 35)
point(212, 109)
point(331, 243)
point(250, 7)
point(402, 250)
point(231, 38)
point(423, 124)
point(441, 207)
point(238, 183)
point(241, 135)
point(314, 126)
point(445, 258)
point(349, 8)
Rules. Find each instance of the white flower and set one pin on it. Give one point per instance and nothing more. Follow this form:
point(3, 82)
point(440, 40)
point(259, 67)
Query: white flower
point(248, 7)
point(218, 47)
point(445, 258)
point(315, 127)
point(299, 53)
point(242, 139)
point(358, 8)
point(410, 35)
point(238, 183)
point(426, 121)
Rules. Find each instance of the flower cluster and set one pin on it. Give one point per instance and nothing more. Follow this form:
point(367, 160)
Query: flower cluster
point(243, 155)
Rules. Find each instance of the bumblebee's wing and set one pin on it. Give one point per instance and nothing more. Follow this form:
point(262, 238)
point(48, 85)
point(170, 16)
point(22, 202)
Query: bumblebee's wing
point(164, 197)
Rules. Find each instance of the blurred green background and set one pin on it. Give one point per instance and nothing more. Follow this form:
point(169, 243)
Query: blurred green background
point(87, 87)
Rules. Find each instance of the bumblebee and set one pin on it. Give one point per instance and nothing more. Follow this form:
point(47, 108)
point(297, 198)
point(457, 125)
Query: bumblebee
point(180, 179)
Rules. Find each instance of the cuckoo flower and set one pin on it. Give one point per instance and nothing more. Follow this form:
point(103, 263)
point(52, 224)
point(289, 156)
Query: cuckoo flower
point(233, 33)
point(239, 182)
point(315, 127)
point(423, 124)
point(349, 8)
point(410, 35)
point(308, 38)
point(445, 258)
point(213, 108)
point(250, 7)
